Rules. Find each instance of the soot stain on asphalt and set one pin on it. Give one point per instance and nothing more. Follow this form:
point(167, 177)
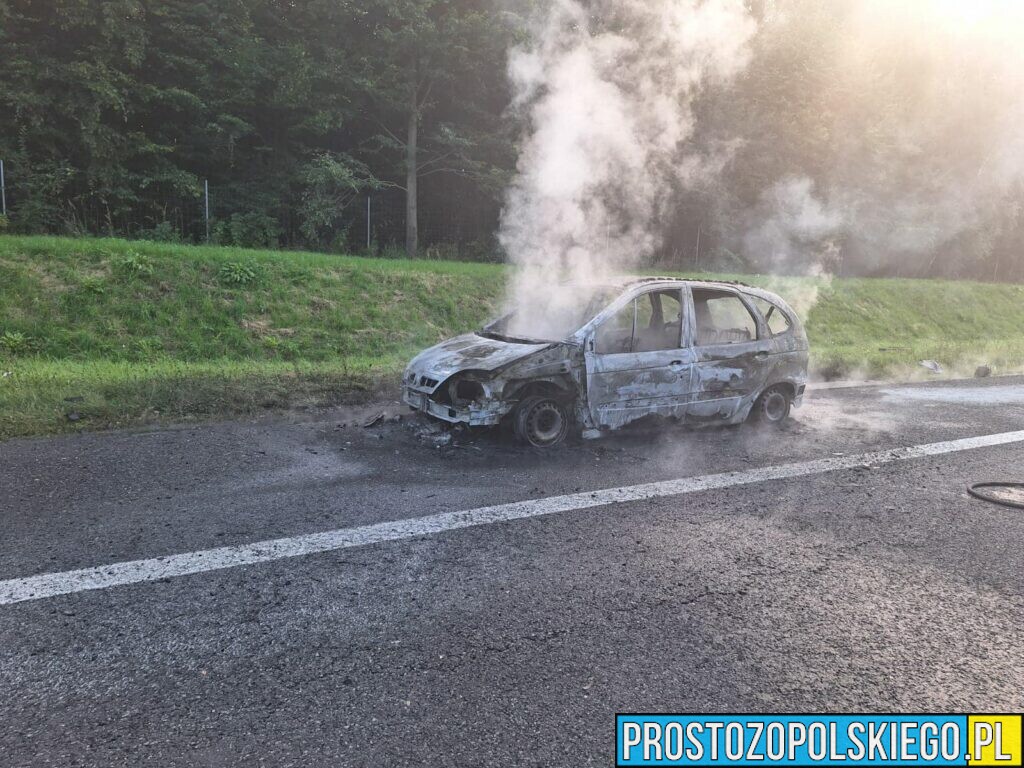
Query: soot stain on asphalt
point(419, 443)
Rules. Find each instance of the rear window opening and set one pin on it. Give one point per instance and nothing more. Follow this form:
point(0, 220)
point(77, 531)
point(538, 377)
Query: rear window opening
point(777, 321)
point(722, 318)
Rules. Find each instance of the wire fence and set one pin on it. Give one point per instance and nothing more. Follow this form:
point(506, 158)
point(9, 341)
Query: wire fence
point(454, 220)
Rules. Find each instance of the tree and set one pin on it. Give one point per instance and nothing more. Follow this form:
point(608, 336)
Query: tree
point(434, 71)
point(331, 183)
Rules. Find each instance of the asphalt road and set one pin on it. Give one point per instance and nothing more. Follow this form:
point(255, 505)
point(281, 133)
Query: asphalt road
point(881, 587)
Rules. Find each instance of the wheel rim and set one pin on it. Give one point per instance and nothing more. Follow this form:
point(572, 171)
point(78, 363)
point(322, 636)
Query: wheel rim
point(545, 423)
point(775, 406)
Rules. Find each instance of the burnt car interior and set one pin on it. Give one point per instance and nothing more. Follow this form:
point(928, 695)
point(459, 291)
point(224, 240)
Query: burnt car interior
point(722, 318)
point(650, 323)
point(777, 321)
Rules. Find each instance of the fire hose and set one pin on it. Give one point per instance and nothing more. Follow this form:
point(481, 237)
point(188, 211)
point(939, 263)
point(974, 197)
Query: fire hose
point(1006, 494)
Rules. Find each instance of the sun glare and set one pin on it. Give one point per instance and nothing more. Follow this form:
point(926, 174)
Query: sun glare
point(971, 15)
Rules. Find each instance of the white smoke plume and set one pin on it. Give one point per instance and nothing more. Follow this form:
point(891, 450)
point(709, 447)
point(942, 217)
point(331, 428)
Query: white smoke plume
point(606, 90)
point(923, 111)
point(792, 223)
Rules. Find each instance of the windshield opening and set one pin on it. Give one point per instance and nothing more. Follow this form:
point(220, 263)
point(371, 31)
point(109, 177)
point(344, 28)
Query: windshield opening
point(554, 316)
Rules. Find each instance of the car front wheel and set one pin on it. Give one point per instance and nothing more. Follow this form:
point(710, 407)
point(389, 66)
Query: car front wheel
point(773, 406)
point(542, 421)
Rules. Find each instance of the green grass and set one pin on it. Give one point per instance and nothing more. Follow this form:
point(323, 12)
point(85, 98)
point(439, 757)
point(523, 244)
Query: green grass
point(118, 333)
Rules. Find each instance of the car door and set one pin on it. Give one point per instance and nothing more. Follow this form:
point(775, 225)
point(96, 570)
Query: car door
point(732, 353)
point(637, 361)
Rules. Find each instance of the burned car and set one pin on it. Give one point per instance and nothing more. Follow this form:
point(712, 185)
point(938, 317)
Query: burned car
point(697, 352)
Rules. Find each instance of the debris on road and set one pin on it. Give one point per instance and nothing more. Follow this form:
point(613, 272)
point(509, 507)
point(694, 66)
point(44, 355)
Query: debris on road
point(74, 416)
point(424, 428)
point(931, 365)
point(982, 372)
point(443, 440)
point(373, 421)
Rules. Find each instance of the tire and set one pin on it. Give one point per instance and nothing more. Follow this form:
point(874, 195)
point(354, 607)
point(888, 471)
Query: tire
point(542, 421)
point(772, 407)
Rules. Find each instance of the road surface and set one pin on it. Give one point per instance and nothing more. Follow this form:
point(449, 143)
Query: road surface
point(301, 593)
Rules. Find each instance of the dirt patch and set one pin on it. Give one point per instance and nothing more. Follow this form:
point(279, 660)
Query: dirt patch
point(262, 328)
point(259, 327)
point(49, 281)
point(320, 304)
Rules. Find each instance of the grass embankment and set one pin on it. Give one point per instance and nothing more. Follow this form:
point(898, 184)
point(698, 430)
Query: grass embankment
point(110, 332)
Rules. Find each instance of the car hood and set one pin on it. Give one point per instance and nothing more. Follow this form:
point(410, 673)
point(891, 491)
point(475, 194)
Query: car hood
point(471, 353)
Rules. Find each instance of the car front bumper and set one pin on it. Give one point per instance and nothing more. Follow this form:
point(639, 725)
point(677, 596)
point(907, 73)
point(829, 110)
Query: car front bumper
point(473, 416)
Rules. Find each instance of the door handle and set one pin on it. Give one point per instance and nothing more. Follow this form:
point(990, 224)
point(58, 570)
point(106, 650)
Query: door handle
point(761, 356)
point(676, 364)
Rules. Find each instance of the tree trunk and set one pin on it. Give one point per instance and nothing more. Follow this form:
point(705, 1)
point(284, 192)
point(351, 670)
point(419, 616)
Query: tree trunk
point(412, 229)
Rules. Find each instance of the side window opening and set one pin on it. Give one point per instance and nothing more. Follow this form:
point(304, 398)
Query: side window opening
point(722, 318)
point(658, 322)
point(650, 323)
point(777, 321)
point(615, 335)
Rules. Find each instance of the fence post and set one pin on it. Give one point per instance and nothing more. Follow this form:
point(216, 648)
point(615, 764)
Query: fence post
point(3, 191)
point(206, 191)
point(698, 247)
point(368, 243)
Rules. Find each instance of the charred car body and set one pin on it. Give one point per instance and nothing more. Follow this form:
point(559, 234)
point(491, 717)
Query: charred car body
point(698, 352)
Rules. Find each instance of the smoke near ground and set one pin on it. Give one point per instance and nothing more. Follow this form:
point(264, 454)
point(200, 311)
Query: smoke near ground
point(789, 137)
point(606, 92)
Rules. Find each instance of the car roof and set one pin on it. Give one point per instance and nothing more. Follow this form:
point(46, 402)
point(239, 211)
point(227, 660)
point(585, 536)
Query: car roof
point(627, 282)
point(630, 281)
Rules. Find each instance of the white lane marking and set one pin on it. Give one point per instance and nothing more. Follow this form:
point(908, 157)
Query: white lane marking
point(816, 386)
point(996, 395)
point(821, 386)
point(153, 569)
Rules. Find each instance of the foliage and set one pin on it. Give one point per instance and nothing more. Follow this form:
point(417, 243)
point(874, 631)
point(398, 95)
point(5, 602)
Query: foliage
point(248, 230)
point(16, 343)
point(318, 329)
point(132, 264)
point(331, 182)
point(93, 285)
point(163, 232)
point(114, 112)
point(210, 303)
point(238, 273)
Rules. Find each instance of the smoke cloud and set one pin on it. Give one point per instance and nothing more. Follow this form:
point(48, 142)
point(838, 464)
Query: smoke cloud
point(798, 137)
point(901, 153)
point(606, 91)
point(791, 223)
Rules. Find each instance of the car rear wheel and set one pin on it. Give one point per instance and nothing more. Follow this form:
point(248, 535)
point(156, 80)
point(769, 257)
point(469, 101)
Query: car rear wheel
point(773, 406)
point(542, 421)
